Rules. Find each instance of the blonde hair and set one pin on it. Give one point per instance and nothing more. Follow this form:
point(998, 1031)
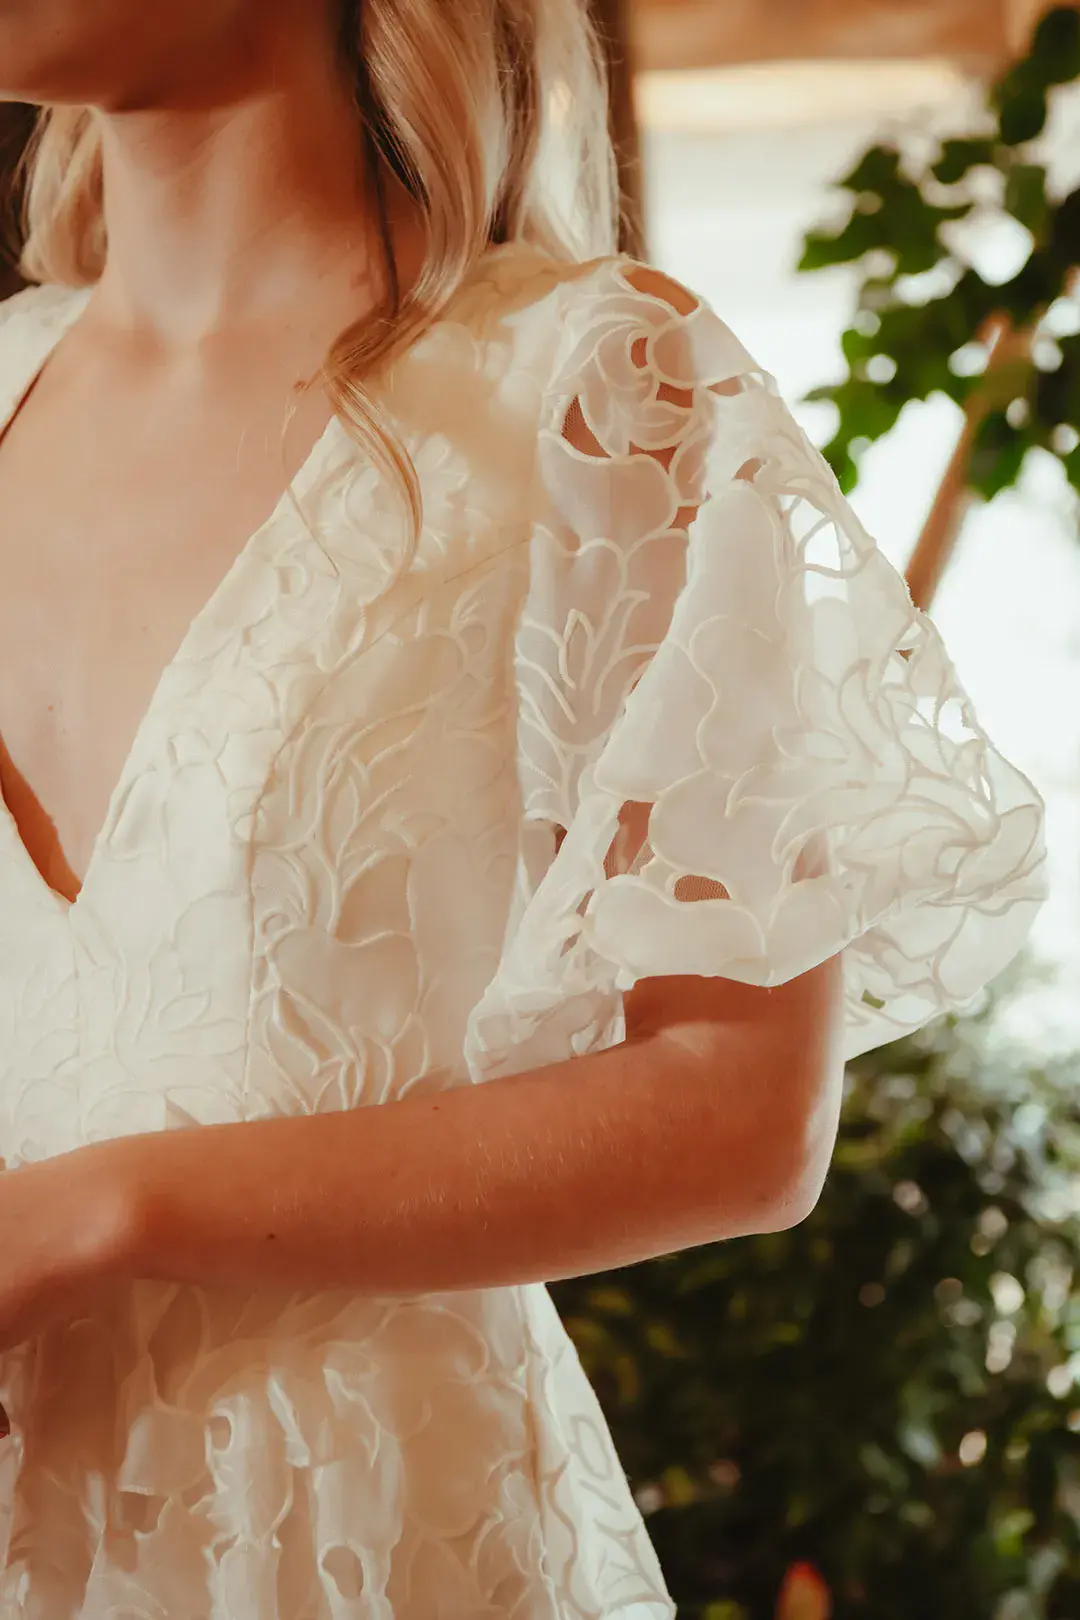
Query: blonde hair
point(493, 114)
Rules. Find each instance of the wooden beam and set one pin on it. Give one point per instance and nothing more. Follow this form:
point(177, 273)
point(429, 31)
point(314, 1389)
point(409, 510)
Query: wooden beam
point(1021, 17)
point(672, 34)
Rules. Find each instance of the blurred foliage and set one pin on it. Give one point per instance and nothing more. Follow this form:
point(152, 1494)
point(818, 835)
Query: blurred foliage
point(925, 310)
point(886, 1391)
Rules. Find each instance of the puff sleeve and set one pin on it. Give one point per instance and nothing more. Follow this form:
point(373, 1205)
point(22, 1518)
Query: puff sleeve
point(756, 747)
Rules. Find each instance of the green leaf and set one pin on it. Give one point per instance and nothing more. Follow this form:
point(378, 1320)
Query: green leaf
point(1031, 291)
point(997, 456)
point(876, 171)
point(1011, 1528)
point(787, 1333)
point(859, 236)
point(679, 1488)
point(1055, 46)
point(800, 1508)
point(628, 1379)
point(1022, 106)
point(1025, 196)
point(883, 1467)
point(1065, 233)
point(967, 307)
point(826, 391)
point(858, 346)
point(843, 464)
point(960, 156)
point(1012, 380)
point(659, 1337)
point(1053, 396)
point(612, 1301)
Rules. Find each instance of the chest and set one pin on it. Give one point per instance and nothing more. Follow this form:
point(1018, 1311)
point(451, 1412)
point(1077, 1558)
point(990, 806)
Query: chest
point(116, 527)
point(303, 886)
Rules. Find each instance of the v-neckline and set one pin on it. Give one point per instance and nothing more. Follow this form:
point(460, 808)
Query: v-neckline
point(14, 390)
point(16, 387)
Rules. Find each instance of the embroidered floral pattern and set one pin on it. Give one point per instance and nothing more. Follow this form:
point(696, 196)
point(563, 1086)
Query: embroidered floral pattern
point(330, 876)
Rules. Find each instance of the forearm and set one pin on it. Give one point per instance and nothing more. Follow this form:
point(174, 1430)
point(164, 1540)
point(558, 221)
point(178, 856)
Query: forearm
point(605, 1160)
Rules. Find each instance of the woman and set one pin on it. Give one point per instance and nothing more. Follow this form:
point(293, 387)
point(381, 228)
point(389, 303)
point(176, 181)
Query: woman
point(560, 722)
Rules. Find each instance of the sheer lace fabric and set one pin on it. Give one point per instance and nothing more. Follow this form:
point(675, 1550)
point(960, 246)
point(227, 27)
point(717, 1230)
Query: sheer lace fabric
point(648, 701)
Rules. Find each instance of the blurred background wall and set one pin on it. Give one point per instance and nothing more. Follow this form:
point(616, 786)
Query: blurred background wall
point(975, 34)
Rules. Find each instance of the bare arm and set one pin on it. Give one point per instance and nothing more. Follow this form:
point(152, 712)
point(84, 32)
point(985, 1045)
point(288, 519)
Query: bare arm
point(716, 1117)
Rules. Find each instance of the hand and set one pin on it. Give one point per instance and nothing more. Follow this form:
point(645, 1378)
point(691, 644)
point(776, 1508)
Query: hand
point(62, 1223)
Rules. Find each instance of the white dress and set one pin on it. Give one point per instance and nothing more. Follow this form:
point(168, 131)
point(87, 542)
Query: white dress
point(328, 878)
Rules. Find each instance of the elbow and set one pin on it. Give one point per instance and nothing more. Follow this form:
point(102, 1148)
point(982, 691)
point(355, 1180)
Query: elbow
point(783, 1194)
point(809, 1139)
point(774, 1180)
point(765, 1071)
point(769, 1197)
point(802, 1135)
point(794, 1200)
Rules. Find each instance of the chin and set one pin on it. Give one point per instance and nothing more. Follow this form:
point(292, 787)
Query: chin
point(49, 54)
point(36, 75)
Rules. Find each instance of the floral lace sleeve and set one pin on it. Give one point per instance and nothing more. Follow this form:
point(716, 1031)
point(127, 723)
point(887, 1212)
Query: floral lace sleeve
point(757, 748)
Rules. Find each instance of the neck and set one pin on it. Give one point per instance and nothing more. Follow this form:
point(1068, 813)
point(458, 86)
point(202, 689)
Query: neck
point(232, 213)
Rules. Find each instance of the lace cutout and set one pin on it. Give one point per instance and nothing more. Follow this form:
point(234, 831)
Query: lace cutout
point(711, 634)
